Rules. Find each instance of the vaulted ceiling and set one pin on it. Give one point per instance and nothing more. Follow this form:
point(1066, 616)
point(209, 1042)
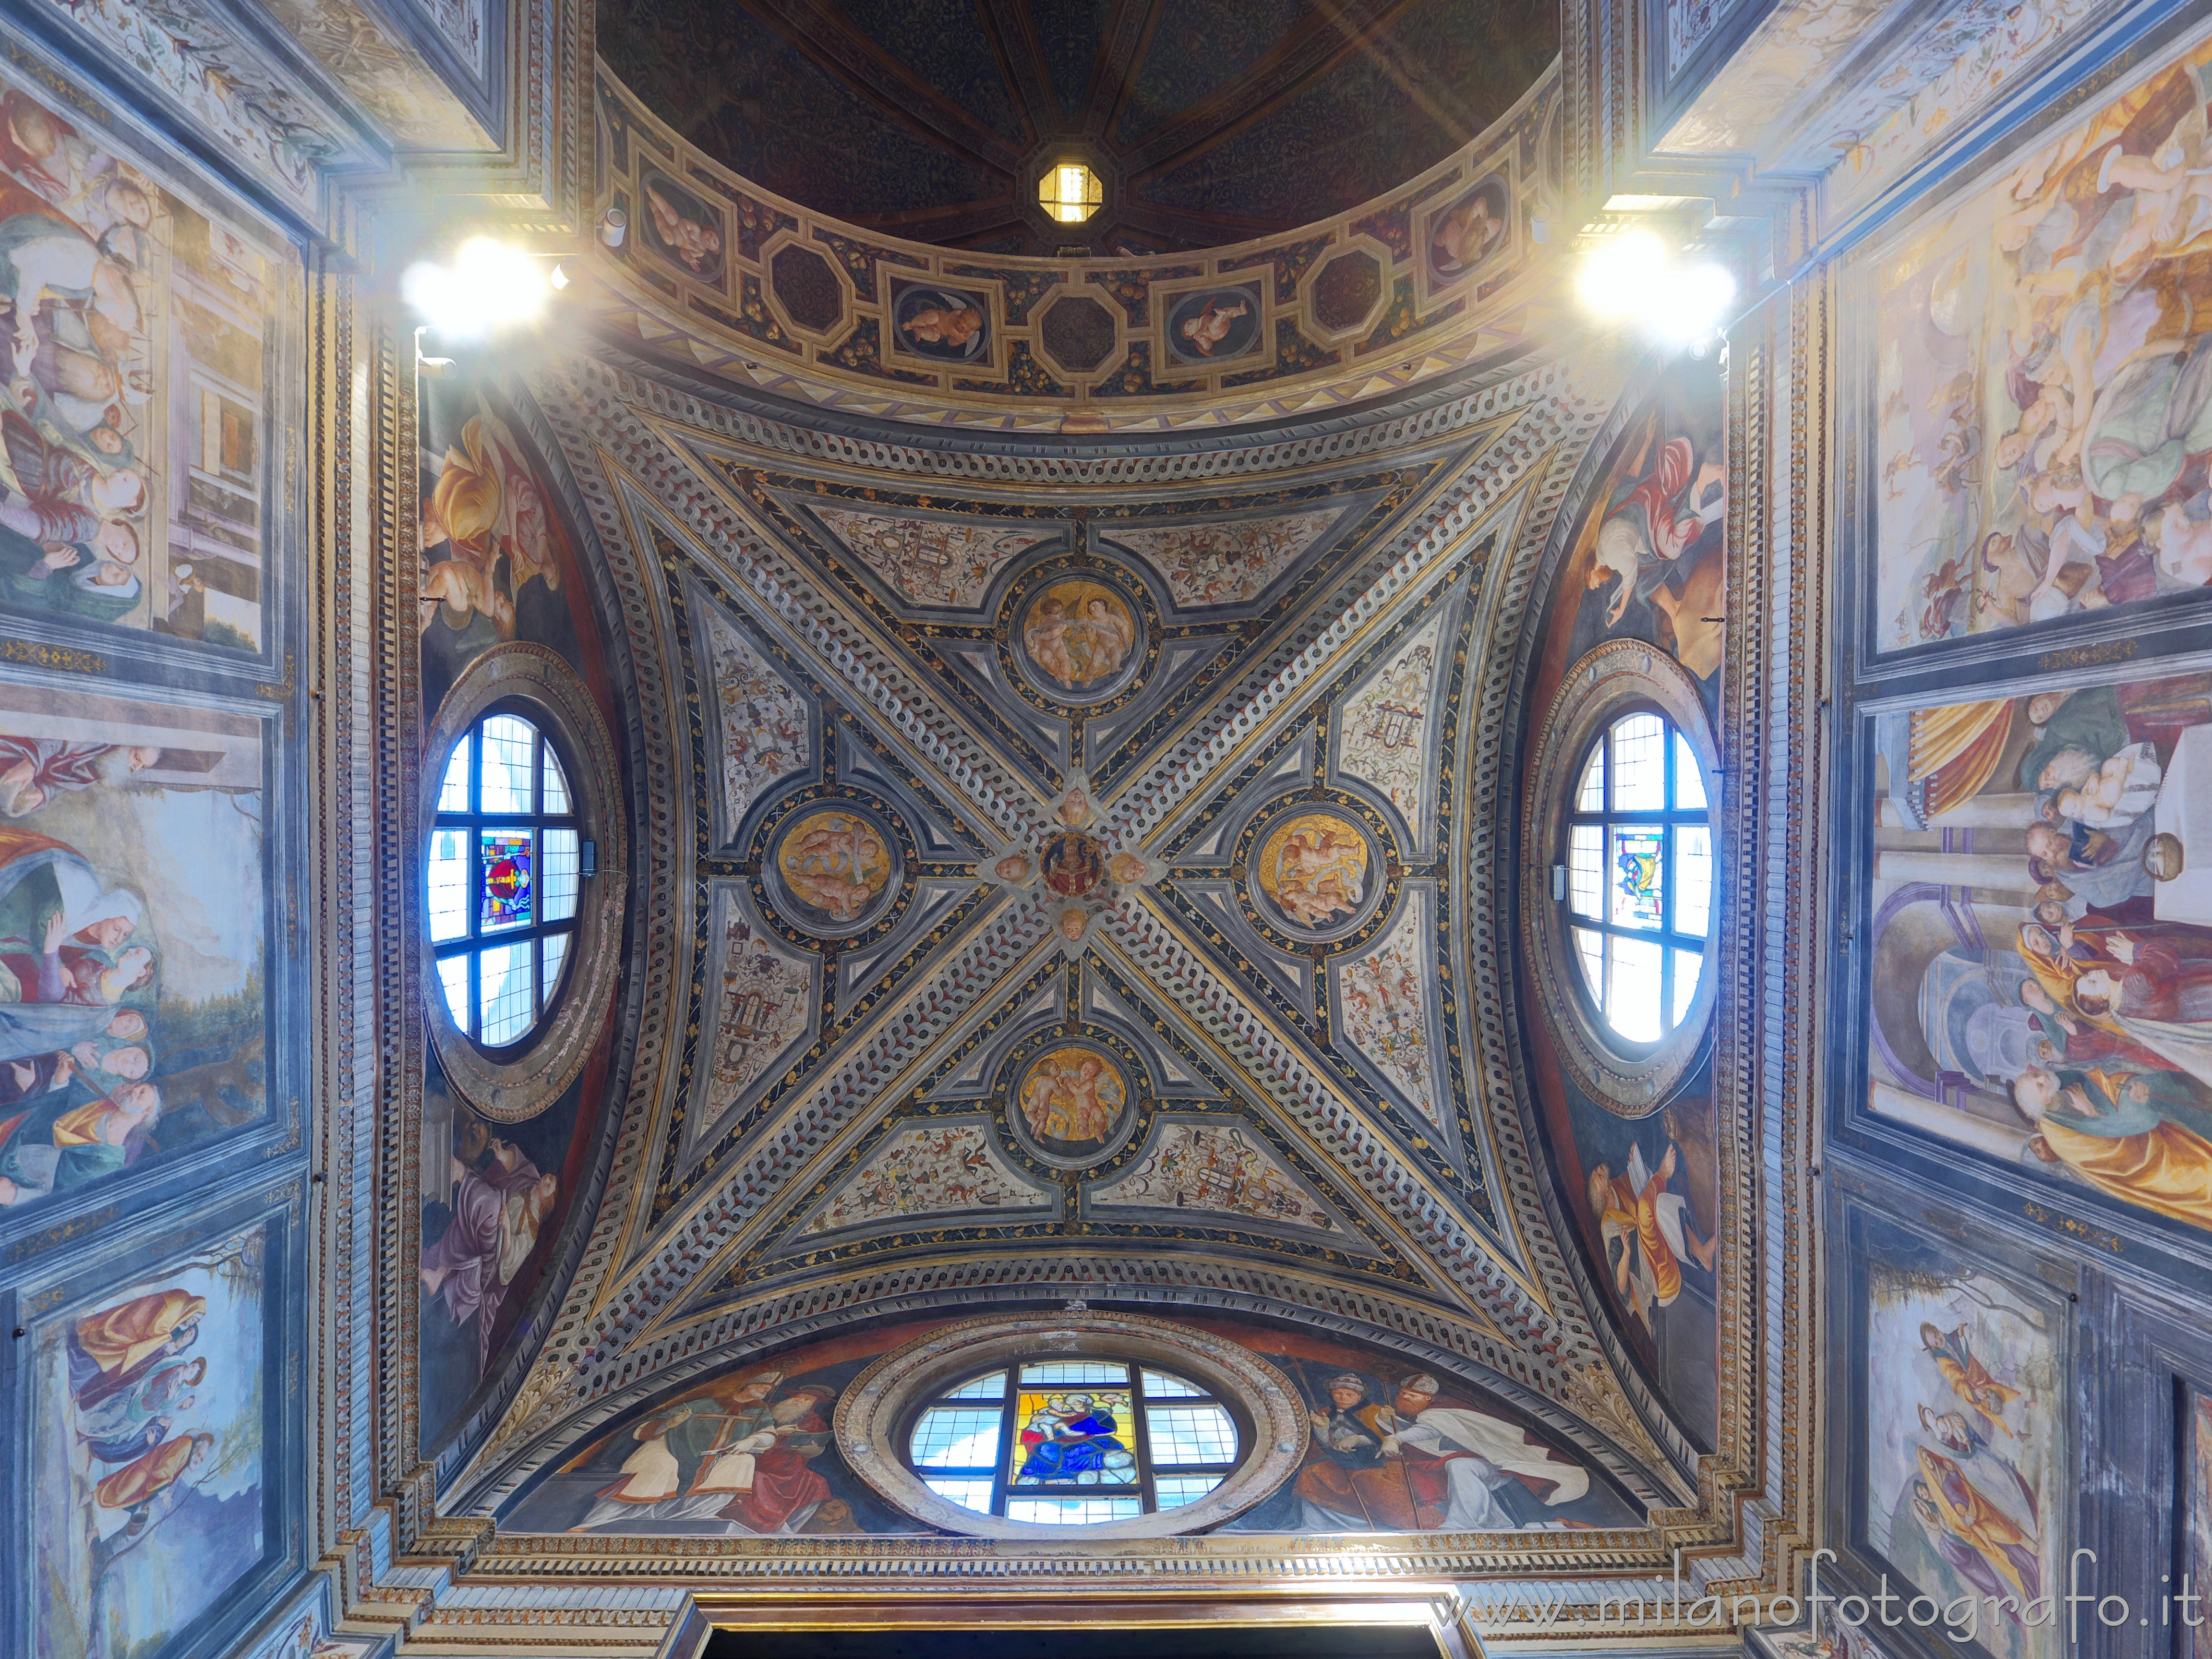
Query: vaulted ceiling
point(1196, 786)
point(1211, 121)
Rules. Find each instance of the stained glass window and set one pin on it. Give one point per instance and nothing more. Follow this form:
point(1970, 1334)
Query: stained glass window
point(502, 878)
point(1638, 892)
point(1070, 1442)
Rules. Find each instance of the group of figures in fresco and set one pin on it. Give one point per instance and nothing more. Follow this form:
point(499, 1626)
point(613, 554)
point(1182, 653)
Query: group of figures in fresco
point(130, 331)
point(2046, 404)
point(1391, 1448)
point(130, 1024)
point(148, 1452)
point(1964, 1397)
point(2081, 1018)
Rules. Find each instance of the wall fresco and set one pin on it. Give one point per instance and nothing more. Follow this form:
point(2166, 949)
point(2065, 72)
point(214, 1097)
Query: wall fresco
point(146, 1444)
point(2044, 428)
point(750, 1454)
point(499, 563)
point(1646, 561)
point(1223, 563)
point(931, 562)
point(132, 353)
point(1383, 1000)
point(1965, 1458)
point(133, 1017)
point(762, 720)
point(2055, 1015)
point(1385, 730)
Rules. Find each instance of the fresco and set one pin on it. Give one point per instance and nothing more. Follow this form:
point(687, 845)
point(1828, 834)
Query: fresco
point(1648, 561)
point(1073, 1099)
point(952, 1168)
point(132, 995)
point(749, 1453)
point(763, 720)
point(1222, 1169)
point(2045, 427)
point(680, 228)
point(1469, 229)
point(1214, 325)
point(1645, 560)
point(2059, 1014)
point(836, 864)
point(944, 325)
point(1383, 1002)
point(1383, 735)
point(495, 552)
point(132, 354)
point(1312, 870)
point(1078, 635)
point(928, 561)
point(1222, 563)
point(1964, 1454)
point(145, 1446)
point(495, 1194)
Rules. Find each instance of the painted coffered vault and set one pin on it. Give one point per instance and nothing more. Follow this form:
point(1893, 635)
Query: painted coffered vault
point(599, 925)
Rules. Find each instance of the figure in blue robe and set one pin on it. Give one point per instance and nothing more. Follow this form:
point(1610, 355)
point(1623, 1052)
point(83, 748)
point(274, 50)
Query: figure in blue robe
point(1078, 1443)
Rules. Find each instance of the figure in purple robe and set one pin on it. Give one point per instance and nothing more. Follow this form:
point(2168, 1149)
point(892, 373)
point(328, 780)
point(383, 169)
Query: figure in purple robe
point(497, 1213)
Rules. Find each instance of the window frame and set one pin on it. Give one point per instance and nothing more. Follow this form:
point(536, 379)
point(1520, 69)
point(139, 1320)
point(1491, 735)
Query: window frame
point(1004, 1486)
point(1668, 819)
point(471, 822)
point(875, 1415)
point(512, 1085)
point(1624, 1078)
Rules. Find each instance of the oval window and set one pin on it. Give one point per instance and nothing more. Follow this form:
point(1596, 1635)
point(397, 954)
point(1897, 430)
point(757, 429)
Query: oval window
point(504, 871)
point(1640, 888)
point(1073, 1442)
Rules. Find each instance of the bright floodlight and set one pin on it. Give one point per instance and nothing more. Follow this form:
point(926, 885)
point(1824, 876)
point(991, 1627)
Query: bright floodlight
point(488, 287)
point(1689, 301)
point(1616, 276)
point(1635, 275)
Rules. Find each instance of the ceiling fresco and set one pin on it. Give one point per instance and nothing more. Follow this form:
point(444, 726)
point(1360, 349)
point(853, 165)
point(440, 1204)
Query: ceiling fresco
point(1075, 889)
point(1211, 121)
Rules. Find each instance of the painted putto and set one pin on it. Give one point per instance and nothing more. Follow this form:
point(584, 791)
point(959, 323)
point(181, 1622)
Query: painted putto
point(1072, 1098)
point(834, 863)
point(1078, 634)
point(1312, 868)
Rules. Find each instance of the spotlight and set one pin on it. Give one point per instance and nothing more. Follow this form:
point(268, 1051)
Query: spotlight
point(558, 276)
point(1616, 276)
point(488, 287)
point(1637, 276)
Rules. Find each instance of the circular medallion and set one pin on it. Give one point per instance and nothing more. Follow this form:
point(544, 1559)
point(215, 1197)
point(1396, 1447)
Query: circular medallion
point(1075, 864)
point(1074, 1101)
point(1311, 875)
point(1080, 638)
point(835, 868)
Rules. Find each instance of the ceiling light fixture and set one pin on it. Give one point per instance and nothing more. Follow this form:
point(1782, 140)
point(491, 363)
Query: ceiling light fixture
point(1069, 193)
point(1635, 277)
point(488, 287)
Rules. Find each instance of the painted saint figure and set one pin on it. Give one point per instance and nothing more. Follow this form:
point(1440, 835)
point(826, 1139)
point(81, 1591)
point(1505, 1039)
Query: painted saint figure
point(498, 1211)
